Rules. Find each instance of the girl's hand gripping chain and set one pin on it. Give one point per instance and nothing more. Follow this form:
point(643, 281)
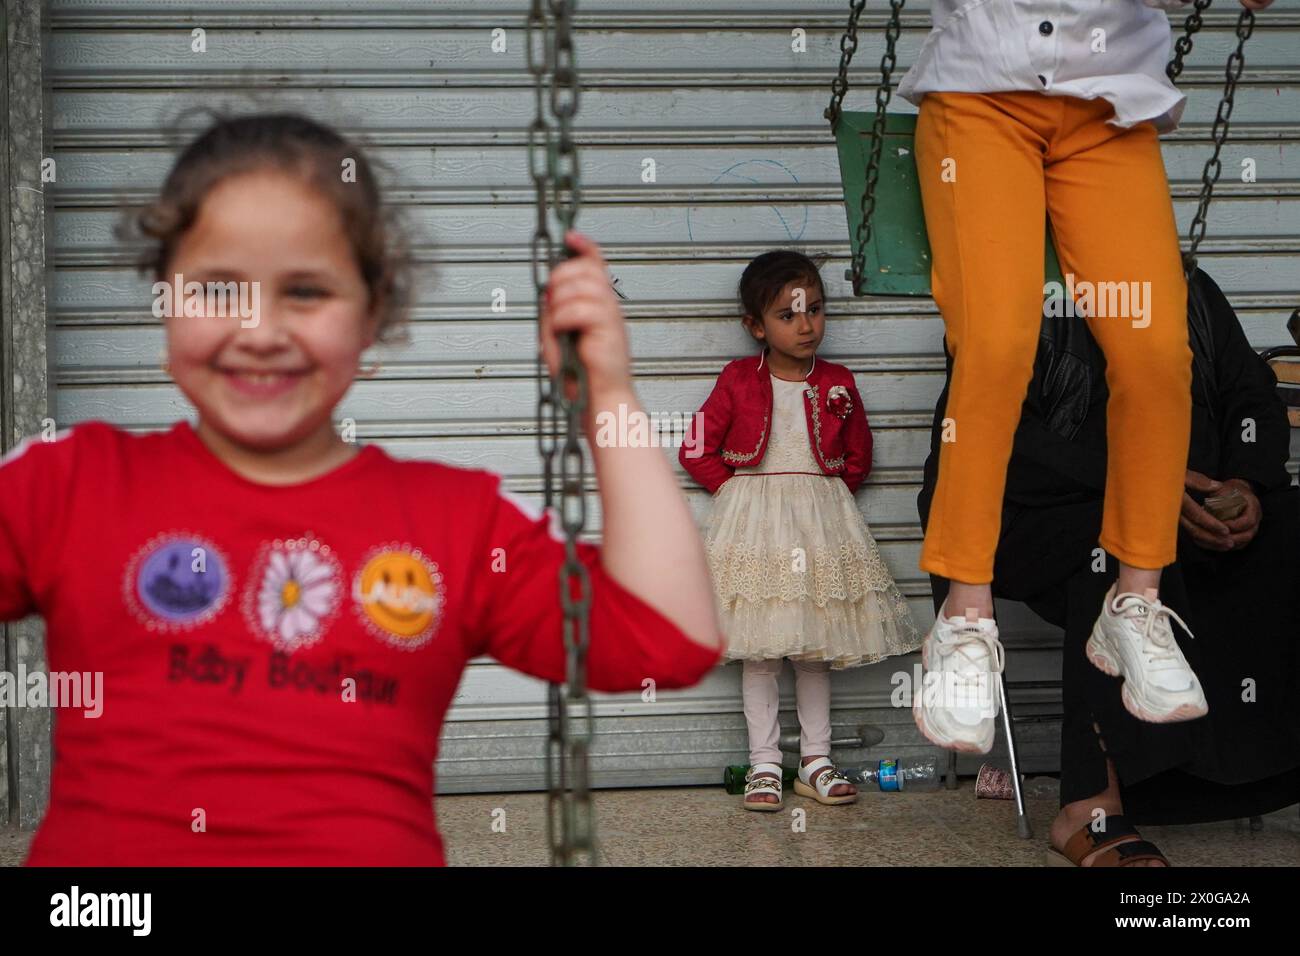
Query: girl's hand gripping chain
point(651, 543)
point(579, 298)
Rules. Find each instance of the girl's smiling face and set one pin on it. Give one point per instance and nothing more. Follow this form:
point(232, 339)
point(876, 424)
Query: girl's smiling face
point(269, 382)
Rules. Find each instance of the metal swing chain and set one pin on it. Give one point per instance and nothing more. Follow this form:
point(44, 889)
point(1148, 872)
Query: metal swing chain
point(550, 57)
point(848, 47)
point(1183, 45)
point(1219, 133)
point(884, 91)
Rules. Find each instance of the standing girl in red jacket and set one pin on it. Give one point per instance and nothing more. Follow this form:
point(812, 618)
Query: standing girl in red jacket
point(796, 571)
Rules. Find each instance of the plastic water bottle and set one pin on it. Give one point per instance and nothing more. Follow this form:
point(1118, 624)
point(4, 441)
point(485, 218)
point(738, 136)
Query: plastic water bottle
point(916, 775)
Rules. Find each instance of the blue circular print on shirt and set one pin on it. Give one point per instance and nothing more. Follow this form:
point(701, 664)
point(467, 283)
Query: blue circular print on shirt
point(179, 581)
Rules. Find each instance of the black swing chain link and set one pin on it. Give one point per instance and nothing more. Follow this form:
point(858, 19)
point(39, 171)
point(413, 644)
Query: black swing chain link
point(569, 826)
point(1219, 132)
point(839, 87)
point(848, 47)
point(1183, 45)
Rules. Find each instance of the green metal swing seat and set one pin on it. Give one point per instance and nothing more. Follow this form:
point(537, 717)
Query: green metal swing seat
point(897, 257)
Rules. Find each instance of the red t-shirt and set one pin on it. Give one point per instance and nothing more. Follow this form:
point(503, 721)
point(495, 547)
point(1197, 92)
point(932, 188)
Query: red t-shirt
point(277, 660)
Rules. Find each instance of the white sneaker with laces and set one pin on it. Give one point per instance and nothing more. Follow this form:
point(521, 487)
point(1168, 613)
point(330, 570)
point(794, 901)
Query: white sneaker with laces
point(1134, 640)
point(961, 663)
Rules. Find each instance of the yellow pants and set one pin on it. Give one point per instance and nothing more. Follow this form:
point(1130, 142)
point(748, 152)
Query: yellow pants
point(992, 166)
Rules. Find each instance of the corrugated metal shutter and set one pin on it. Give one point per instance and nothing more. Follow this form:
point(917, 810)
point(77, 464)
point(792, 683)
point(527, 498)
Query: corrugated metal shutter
point(731, 116)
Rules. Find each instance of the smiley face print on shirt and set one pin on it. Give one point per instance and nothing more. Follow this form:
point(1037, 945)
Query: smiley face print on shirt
point(397, 595)
point(176, 582)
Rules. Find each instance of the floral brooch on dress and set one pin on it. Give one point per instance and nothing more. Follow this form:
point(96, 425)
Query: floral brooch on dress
point(838, 401)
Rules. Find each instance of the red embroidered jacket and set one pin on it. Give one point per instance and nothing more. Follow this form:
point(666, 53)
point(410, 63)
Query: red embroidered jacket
point(737, 413)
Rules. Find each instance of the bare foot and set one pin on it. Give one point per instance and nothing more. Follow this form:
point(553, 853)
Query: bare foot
point(1066, 825)
point(1074, 816)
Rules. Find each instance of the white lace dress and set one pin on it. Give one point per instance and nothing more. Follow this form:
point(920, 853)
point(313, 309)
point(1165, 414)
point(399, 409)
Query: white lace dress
point(795, 569)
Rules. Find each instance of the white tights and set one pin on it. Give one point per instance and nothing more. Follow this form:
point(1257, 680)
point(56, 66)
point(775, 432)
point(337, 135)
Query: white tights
point(812, 691)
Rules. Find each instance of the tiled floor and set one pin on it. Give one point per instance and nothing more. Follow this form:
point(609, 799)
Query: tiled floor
point(705, 826)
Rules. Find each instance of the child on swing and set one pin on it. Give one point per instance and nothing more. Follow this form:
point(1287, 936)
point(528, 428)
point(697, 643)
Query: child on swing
point(281, 617)
point(1031, 110)
point(783, 447)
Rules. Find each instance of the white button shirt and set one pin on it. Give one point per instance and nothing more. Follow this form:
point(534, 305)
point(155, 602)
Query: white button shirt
point(1114, 49)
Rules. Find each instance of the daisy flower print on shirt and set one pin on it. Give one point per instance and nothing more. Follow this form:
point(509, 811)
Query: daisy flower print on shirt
point(293, 592)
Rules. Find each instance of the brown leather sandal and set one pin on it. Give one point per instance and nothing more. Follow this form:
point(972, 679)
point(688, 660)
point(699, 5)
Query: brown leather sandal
point(1113, 851)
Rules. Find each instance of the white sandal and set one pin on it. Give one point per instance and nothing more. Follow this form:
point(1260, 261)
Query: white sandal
point(757, 784)
point(822, 794)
